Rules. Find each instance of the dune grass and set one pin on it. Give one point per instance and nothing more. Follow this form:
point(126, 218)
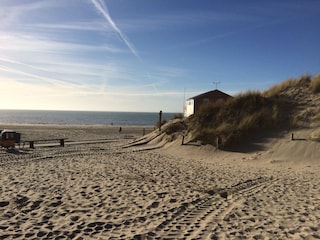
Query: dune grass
point(275, 90)
point(304, 80)
point(235, 119)
point(315, 84)
point(249, 114)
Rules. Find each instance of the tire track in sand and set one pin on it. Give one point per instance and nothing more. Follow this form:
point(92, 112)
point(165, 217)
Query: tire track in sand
point(200, 219)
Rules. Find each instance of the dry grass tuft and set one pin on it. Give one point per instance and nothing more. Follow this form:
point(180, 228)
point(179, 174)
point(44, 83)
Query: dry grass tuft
point(285, 85)
point(315, 135)
point(275, 90)
point(315, 84)
point(175, 126)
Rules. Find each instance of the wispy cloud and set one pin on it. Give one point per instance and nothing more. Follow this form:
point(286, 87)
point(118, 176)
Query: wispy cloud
point(10, 14)
point(41, 92)
point(93, 26)
point(32, 76)
point(184, 19)
point(102, 8)
point(56, 64)
point(33, 43)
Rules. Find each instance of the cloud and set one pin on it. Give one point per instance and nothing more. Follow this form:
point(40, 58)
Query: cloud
point(10, 14)
point(63, 96)
point(93, 26)
point(44, 57)
point(56, 64)
point(23, 42)
point(59, 71)
point(34, 78)
point(48, 87)
point(102, 8)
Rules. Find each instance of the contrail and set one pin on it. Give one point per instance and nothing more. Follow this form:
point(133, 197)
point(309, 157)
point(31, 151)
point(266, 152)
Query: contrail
point(102, 8)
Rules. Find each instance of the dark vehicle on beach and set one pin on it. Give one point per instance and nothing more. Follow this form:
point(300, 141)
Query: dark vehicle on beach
point(9, 138)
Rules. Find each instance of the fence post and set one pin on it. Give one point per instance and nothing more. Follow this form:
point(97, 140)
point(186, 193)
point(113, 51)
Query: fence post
point(160, 120)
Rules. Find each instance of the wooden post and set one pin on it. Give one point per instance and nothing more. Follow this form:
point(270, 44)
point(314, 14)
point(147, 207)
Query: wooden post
point(160, 120)
point(62, 142)
point(292, 138)
point(182, 140)
point(217, 143)
point(31, 144)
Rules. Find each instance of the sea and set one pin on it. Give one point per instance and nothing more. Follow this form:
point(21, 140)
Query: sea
point(82, 117)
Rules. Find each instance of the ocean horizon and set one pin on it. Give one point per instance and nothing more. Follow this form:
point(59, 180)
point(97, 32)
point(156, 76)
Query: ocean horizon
point(62, 117)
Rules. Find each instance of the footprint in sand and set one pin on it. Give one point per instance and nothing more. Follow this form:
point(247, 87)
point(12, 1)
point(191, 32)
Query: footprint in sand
point(21, 201)
point(4, 203)
point(153, 205)
point(36, 204)
point(56, 204)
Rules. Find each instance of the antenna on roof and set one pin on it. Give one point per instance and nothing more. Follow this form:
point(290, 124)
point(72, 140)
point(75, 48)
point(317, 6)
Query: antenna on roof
point(216, 83)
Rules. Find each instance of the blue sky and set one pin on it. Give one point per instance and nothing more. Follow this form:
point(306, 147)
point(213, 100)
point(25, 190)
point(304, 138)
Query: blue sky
point(149, 55)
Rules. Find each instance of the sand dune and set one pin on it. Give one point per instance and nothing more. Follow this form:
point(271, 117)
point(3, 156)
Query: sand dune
point(106, 191)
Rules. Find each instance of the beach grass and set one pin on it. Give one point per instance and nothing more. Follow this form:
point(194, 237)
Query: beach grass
point(252, 113)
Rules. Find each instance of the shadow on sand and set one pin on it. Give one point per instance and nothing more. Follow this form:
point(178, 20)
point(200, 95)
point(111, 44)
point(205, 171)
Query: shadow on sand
point(15, 151)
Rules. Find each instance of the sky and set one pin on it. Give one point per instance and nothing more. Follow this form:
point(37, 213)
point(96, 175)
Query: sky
point(149, 55)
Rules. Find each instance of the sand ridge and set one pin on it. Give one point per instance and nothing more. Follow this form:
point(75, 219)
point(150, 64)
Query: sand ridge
point(105, 191)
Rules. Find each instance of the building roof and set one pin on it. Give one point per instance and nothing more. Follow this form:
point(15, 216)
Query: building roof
point(215, 93)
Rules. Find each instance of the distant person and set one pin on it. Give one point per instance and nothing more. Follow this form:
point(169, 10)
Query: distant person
point(120, 129)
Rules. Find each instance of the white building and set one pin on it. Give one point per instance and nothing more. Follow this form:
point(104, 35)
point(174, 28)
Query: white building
point(193, 104)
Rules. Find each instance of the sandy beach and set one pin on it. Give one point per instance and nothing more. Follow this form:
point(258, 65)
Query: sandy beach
point(106, 191)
